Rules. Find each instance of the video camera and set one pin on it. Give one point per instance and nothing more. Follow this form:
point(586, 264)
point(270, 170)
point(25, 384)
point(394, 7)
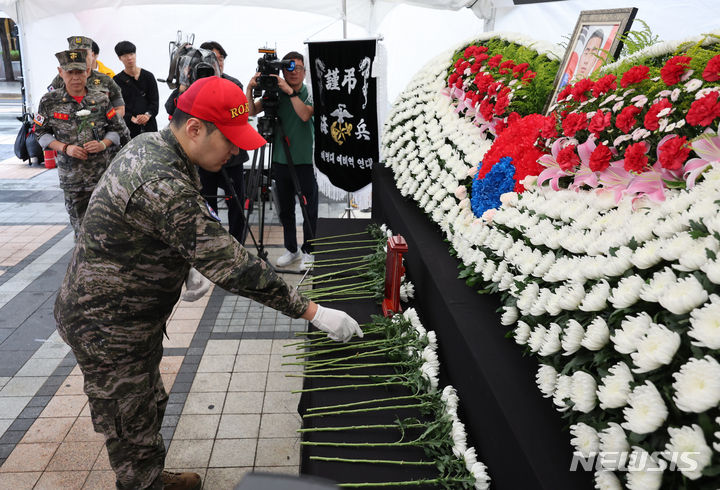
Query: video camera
point(268, 66)
point(188, 64)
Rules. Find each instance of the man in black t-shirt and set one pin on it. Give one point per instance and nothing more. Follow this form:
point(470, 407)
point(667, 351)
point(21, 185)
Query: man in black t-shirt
point(140, 91)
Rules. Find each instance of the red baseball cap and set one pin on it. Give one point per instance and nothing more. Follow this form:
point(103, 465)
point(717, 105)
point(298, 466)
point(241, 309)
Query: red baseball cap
point(224, 104)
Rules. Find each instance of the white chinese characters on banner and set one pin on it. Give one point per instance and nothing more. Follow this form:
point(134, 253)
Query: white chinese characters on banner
point(345, 160)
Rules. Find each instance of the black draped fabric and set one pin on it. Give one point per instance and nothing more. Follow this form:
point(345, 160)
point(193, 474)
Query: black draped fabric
point(345, 101)
point(515, 431)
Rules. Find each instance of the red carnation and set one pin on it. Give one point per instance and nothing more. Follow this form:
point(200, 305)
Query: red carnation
point(635, 158)
point(494, 88)
point(651, 121)
point(494, 62)
point(567, 158)
point(711, 73)
point(573, 123)
point(634, 75)
point(581, 88)
point(528, 76)
point(600, 158)
point(482, 81)
point(475, 99)
point(674, 69)
point(452, 78)
point(604, 85)
point(564, 92)
point(459, 83)
point(502, 101)
point(506, 67)
point(520, 69)
point(463, 66)
point(469, 52)
point(674, 153)
point(549, 129)
point(626, 119)
point(481, 58)
point(486, 109)
point(475, 67)
point(599, 122)
point(704, 110)
point(481, 49)
point(458, 62)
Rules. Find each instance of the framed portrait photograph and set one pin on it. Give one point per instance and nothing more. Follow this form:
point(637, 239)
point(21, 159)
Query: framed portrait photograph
point(597, 34)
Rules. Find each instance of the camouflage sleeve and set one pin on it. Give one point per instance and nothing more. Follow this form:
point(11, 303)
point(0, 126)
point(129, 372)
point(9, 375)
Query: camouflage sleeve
point(180, 217)
point(116, 124)
point(43, 131)
point(115, 94)
point(56, 83)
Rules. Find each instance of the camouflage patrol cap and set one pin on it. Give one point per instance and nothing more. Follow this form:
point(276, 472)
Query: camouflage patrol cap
point(72, 59)
point(79, 42)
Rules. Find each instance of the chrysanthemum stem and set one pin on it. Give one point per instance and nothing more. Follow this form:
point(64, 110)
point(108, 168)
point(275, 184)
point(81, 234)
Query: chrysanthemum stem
point(318, 363)
point(354, 345)
point(345, 387)
point(361, 427)
point(406, 483)
point(367, 409)
point(366, 402)
point(313, 282)
point(345, 298)
point(320, 239)
point(365, 444)
point(359, 366)
point(374, 461)
point(342, 249)
point(359, 267)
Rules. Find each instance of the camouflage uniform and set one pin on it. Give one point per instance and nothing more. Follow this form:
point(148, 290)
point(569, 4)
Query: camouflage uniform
point(146, 225)
point(57, 119)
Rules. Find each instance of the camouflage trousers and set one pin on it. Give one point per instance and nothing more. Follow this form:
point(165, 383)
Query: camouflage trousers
point(131, 426)
point(76, 203)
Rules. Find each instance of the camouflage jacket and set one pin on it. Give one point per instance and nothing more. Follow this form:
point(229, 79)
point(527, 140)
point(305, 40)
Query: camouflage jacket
point(57, 119)
point(145, 226)
point(96, 81)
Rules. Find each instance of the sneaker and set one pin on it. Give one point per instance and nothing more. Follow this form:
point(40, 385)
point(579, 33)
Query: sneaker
point(181, 481)
point(288, 258)
point(307, 262)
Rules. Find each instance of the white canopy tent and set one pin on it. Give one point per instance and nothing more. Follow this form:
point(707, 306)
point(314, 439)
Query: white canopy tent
point(413, 30)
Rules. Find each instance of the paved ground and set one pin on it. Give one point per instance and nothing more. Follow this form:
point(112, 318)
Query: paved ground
point(230, 410)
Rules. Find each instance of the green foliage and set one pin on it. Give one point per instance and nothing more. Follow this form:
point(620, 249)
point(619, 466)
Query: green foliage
point(637, 40)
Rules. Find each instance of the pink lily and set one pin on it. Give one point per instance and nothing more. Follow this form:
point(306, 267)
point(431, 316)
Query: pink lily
point(707, 146)
point(616, 179)
point(585, 176)
point(649, 184)
point(553, 172)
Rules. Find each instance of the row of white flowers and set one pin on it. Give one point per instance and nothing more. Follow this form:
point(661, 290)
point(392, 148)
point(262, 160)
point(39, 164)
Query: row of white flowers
point(580, 273)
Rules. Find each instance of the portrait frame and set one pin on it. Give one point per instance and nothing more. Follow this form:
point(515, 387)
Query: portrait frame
point(614, 23)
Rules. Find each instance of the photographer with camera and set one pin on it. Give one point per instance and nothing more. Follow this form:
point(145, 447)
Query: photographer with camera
point(294, 108)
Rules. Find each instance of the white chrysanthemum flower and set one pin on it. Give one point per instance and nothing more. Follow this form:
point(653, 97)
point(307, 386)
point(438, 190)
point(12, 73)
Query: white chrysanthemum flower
point(614, 388)
point(522, 333)
point(712, 270)
point(482, 479)
point(705, 324)
point(627, 291)
point(631, 330)
point(510, 315)
point(572, 337)
point(537, 338)
point(596, 299)
point(697, 385)
point(449, 396)
point(407, 291)
point(596, 335)
point(546, 379)
point(683, 296)
point(470, 457)
point(691, 442)
point(716, 445)
point(459, 437)
point(585, 440)
point(657, 285)
point(583, 393)
point(656, 348)
point(606, 480)
point(646, 410)
point(644, 471)
point(551, 343)
point(613, 440)
point(562, 392)
point(573, 298)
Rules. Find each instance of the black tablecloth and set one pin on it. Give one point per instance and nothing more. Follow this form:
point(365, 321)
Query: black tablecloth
point(357, 472)
point(516, 432)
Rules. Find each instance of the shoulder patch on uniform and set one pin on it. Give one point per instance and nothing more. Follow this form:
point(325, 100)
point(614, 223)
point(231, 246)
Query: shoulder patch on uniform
point(212, 211)
point(111, 113)
point(39, 120)
point(50, 88)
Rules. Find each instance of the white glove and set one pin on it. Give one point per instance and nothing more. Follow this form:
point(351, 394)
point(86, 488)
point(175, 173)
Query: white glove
point(339, 325)
point(195, 286)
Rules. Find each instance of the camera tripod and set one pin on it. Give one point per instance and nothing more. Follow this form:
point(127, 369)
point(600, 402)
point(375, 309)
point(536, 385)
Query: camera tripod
point(258, 185)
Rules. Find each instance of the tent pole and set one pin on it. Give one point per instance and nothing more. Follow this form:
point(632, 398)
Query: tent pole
point(344, 16)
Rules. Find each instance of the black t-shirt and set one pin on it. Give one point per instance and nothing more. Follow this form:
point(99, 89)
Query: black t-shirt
point(141, 97)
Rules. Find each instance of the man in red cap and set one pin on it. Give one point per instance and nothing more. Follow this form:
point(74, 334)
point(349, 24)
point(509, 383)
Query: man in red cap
point(146, 225)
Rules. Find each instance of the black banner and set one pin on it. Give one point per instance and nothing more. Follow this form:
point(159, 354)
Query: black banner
point(345, 101)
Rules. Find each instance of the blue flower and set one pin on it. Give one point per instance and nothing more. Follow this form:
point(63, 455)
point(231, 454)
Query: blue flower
point(486, 192)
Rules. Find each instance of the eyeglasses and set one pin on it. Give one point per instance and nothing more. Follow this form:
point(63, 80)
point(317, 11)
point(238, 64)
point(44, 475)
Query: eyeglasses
point(299, 68)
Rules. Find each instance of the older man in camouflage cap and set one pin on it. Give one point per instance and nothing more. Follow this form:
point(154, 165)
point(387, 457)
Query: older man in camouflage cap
point(146, 225)
point(96, 80)
point(80, 125)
